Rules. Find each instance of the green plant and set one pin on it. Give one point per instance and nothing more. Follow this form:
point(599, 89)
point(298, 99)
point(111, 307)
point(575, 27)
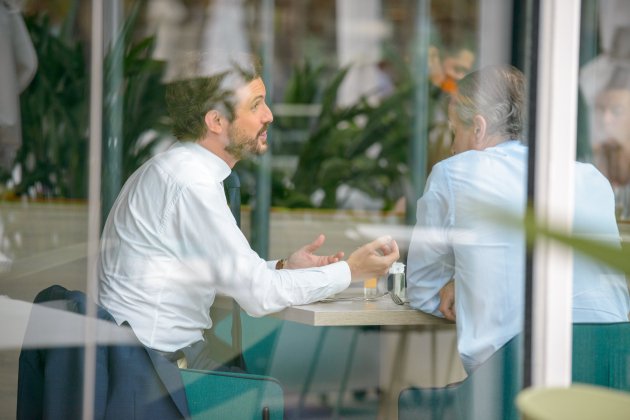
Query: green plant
point(53, 157)
point(54, 117)
point(364, 146)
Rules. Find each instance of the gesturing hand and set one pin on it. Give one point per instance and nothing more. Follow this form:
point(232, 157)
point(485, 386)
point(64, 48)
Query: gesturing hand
point(373, 259)
point(447, 301)
point(305, 257)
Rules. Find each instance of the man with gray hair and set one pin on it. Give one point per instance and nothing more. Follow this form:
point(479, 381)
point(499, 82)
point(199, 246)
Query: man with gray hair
point(171, 244)
point(472, 270)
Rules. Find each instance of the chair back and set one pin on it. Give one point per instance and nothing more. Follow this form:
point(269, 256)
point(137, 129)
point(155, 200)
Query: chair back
point(130, 381)
point(601, 356)
point(230, 395)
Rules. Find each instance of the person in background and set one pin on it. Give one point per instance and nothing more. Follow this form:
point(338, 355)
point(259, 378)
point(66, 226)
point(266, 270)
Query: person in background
point(451, 57)
point(17, 70)
point(611, 148)
point(467, 267)
point(605, 94)
point(171, 244)
point(449, 62)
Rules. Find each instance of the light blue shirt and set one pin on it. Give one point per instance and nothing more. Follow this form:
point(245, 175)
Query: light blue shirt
point(455, 237)
point(171, 244)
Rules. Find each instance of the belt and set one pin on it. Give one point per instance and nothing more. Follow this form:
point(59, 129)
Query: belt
point(178, 357)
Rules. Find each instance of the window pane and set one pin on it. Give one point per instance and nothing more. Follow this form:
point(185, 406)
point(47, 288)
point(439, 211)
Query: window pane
point(360, 93)
point(604, 131)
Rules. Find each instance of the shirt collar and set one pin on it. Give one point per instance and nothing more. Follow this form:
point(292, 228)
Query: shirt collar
point(212, 161)
point(508, 143)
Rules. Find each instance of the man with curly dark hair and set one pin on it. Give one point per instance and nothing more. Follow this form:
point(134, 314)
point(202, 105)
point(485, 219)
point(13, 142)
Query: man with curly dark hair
point(171, 244)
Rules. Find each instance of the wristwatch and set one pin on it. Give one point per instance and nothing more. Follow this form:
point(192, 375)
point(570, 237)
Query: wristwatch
point(281, 264)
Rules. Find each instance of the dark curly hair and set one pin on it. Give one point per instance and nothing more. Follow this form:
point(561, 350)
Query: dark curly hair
point(189, 99)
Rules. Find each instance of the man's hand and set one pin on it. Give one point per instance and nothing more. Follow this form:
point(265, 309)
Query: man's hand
point(447, 301)
point(373, 259)
point(305, 257)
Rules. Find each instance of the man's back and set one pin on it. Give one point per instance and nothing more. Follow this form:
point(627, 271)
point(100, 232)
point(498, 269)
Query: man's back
point(486, 258)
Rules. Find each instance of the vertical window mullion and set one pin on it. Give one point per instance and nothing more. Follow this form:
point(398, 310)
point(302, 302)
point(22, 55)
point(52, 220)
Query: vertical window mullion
point(556, 117)
point(94, 204)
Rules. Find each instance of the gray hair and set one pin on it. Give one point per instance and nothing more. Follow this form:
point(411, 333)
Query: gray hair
point(497, 93)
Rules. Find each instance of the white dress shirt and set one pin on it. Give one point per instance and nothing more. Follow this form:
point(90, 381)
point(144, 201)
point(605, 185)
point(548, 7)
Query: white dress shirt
point(171, 244)
point(454, 238)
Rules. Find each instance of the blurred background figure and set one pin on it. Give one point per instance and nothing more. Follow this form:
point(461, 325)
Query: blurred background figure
point(360, 26)
point(223, 16)
point(605, 82)
point(611, 148)
point(605, 87)
point(165, 19)
point(18, 64)
point(451, 57)
point(612, 117)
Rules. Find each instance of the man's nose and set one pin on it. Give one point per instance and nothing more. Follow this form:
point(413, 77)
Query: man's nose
point(268, 115)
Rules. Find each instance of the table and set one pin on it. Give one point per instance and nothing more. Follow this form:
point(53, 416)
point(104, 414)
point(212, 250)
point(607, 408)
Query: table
point(350, 313)
point(353, 312)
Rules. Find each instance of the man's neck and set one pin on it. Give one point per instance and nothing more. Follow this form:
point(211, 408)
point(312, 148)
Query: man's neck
point(492, 141)
point(217, 148)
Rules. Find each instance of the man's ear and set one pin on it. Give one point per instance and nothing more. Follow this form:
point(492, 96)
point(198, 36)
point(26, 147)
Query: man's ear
point(480, 127)
point(215, 121)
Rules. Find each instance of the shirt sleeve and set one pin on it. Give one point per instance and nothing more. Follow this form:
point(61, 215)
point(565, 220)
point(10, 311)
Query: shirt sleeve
point(430, 262)
point(218, 254)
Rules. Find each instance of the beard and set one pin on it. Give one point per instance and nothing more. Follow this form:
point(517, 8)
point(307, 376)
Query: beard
point(243, 145)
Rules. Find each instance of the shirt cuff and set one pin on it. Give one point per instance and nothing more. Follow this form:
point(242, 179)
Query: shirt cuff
point(340, 275)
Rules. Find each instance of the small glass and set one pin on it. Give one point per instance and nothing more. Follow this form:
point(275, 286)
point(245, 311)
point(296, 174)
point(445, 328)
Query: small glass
point(370, 289)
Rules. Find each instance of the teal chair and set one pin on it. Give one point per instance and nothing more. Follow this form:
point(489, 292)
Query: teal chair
point(601, 356)
point(230, 395)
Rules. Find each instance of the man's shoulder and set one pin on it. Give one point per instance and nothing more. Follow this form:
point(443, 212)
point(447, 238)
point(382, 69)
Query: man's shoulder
point(588, 171)
point(185, 166)
point(468, 172)
point(588, 177)
point(585, 168)
point(512, 149)
point(459, 163)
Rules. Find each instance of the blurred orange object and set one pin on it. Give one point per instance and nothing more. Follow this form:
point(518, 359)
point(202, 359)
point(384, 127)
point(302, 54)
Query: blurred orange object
point(370, 283)
point(449, 85)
